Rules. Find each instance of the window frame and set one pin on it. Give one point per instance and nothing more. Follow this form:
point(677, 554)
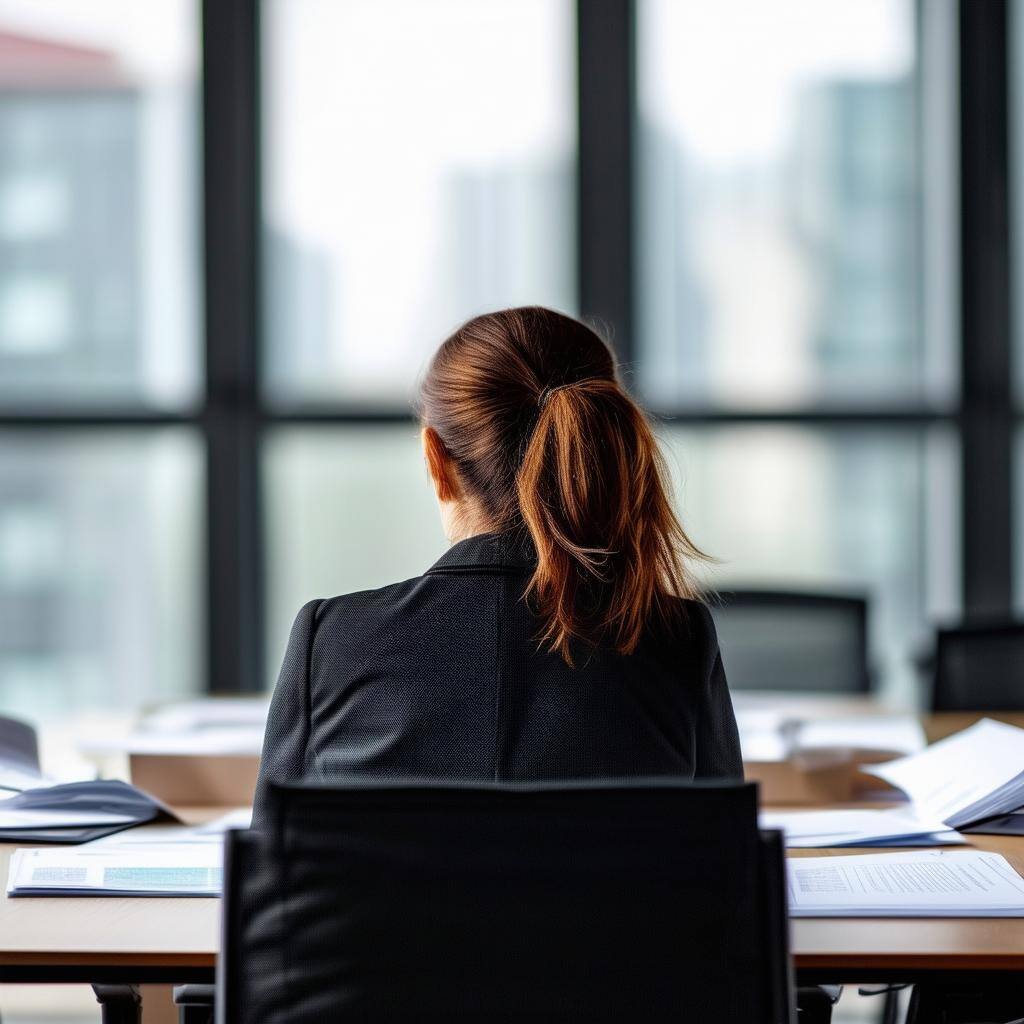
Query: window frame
point(234, 414)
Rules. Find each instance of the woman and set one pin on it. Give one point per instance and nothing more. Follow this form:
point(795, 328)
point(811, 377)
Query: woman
point(559, 637)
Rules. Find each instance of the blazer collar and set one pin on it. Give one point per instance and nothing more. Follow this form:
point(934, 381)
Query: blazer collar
point(509, 552)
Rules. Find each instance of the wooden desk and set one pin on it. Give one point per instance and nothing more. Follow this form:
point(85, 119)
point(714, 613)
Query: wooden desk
point(100, 939)
point(171, 940)
point(131, 940)
point(882, 949)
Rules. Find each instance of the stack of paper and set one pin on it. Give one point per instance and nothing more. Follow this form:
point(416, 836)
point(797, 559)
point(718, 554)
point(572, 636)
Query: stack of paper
point(966, 778)
point(181, 862)
point(76, 812)
point(898, 734)
point(214, 713)
point(929, 883)
point(895, 827)
point(222, 726)
point(769, 735)
point(34, 809)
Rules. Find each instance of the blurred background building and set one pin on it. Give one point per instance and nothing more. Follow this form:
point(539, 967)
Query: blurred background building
point(222, 270)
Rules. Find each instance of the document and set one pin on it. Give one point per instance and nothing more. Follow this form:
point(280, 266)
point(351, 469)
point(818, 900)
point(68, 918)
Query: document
point(195, 728)
point(241, 741)
point(930, 883)
point(901, 734)
point(975, 774)
point(135, 868)
point(767, 735)
point(76, 812)
point(241, 817)
point(13, 820)
point(896, 827)
point(214, 713)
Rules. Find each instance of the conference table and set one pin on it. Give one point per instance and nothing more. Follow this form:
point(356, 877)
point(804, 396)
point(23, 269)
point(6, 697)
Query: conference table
point(169, 940)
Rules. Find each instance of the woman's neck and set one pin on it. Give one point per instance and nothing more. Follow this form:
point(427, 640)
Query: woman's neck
point(463, 520)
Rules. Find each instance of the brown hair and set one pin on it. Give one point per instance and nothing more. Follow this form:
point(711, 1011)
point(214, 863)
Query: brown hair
point(528, 407)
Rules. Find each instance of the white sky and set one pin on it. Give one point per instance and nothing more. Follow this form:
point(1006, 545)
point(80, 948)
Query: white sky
point(155, 39)
point(720, 74)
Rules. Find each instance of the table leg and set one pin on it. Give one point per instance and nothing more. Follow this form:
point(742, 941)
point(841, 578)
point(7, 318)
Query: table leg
point(120, 1004)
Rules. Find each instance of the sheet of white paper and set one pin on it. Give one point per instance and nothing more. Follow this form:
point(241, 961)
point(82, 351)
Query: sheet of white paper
point(135, 869)
point(899, 733)
point(163, 836)
point(241, 817)
point(945, 838)
point(240, 740)
point(773, 736)
point(764, 734)
point(931, 883)
point(32, 819)
point(853, 827)
point(956, 772)
point(193, 715)
point(18, 779)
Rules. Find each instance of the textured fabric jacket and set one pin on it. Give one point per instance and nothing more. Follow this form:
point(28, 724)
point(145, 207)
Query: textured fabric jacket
point(440, 677)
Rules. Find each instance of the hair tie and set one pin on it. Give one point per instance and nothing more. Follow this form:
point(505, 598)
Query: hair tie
point(546, 394)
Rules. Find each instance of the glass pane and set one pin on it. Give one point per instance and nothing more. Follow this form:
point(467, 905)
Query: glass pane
point(98, 201)
point(863, 510)
point(866, 509)
point(778, 185)
point(418, 168)
point(100, 602)
point(349, 508)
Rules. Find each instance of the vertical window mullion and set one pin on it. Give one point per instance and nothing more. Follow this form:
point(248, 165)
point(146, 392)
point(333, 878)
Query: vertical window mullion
point(607, 114)
point(985, 304)
point(232, 420)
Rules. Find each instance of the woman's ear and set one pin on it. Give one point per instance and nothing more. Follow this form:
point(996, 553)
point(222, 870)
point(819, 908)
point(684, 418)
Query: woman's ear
point(440, 465)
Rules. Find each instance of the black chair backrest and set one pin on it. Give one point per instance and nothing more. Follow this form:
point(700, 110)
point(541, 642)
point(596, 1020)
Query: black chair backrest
point(641, 901)
point(979, 668)
point(786, 640)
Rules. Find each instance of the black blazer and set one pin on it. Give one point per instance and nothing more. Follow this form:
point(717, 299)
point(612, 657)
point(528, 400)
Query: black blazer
point(440, 677)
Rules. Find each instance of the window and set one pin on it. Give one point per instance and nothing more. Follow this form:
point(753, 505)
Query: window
point(864, 509)
point(790, 217)
point(779, 205)
point(348, 508)
point(100, 487)
point(419, 161)
point(99, 254)
point(784, 269)
point(99, 569)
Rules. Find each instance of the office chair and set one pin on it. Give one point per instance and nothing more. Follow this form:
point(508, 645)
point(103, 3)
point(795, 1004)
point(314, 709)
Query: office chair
point(641, 901)
point(786, 640)
point(979, 667)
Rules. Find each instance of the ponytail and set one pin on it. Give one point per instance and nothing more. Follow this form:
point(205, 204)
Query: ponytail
point(592, 495)
point(527, 404)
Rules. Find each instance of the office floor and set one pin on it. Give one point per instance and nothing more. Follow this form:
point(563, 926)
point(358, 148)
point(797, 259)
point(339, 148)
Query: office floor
point(74, 1004)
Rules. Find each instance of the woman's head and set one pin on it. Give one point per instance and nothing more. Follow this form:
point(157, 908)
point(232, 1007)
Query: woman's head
point(526, 426)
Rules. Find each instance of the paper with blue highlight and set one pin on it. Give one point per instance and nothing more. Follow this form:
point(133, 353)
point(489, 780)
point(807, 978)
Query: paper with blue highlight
point(191, 868)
